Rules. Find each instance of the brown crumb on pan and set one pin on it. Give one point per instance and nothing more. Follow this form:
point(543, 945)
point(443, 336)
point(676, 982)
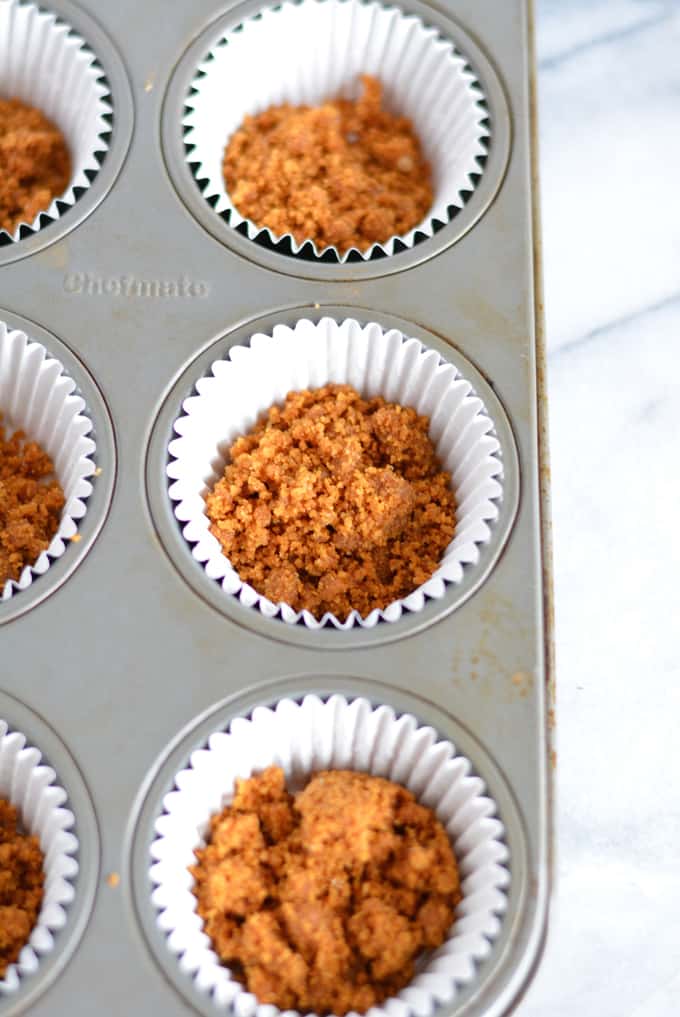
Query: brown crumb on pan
point(343, 174)
point(36, 165)
point(31, 502)
point(321, 903)
point(333, 503)
point(21, 886)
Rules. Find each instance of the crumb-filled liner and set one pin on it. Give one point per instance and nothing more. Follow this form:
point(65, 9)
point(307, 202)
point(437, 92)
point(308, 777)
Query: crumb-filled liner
point(44, 63)
point(306, 53)
point(31, 787)
point(238, 390)
point(304, 738)
point(38, 397)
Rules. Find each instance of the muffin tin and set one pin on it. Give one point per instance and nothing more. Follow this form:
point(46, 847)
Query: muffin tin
point(125, 656)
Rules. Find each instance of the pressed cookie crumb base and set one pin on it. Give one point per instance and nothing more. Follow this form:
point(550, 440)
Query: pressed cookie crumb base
point(21, 886)
point(322, 902)
point(30, 503)
point(35, 161)
point(346, 174)
point(334, 503)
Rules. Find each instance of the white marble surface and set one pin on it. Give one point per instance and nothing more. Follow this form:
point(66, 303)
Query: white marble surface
point(609, 82)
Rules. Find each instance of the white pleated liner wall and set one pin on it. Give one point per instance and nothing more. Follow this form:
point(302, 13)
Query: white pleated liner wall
point(46, 64)
point(30, 786)
point(37, 397)
point(376, 362)
point(312, 51)
point(304, 738)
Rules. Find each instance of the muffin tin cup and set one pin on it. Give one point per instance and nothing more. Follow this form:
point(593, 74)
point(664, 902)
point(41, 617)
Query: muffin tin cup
point(375, 362)
point(306, 53)
point(45, 63)
point(38, 397)
point(334, 733)
point(31, 787)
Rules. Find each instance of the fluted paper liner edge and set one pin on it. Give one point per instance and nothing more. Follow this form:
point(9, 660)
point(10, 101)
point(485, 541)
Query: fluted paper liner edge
point(303, 738)
point(38, 397)
point(31, 787)
point(46, 64)
point(327, 47)
point(376, 362)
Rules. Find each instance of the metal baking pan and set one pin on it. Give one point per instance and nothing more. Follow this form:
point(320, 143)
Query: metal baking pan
point(123, 657)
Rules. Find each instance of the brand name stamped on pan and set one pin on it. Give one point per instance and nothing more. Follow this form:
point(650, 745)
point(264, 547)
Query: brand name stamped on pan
point(90, 285)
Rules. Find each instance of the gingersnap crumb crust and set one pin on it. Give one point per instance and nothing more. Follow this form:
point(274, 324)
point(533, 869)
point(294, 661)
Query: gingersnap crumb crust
point(21, 886)
point(321, 903)
point(334, 503)
point(34, 160)
point(346, 174)
point(31, 502)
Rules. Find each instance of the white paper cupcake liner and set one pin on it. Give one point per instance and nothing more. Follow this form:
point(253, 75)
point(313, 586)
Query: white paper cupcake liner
point(30, 786)
point(309, 355)
point(46, 64)
point(306, 53)
point(304, 738)
point(37, 397)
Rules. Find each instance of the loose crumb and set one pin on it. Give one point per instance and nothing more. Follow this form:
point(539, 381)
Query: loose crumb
point(21, 886)
point(113, 880)
point(344, 174)
point(30, 503)
point(321, 903)
point(36, 165)
point(334, 502)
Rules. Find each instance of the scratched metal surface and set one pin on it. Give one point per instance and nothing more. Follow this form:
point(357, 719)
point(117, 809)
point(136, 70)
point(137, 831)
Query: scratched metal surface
point(125, 654)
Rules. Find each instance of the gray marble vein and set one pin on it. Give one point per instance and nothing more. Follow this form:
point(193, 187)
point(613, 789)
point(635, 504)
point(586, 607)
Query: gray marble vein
point(569, 29)
point(609, 80)
point(610, 160)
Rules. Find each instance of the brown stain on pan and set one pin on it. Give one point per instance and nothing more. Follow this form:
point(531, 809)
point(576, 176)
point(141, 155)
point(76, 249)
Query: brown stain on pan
point(543, 442)
point(484, 665)
point(541, 380)
point(523, 682)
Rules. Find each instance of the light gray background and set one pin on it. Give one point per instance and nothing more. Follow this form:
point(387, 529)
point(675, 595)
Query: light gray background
point(609, 107)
